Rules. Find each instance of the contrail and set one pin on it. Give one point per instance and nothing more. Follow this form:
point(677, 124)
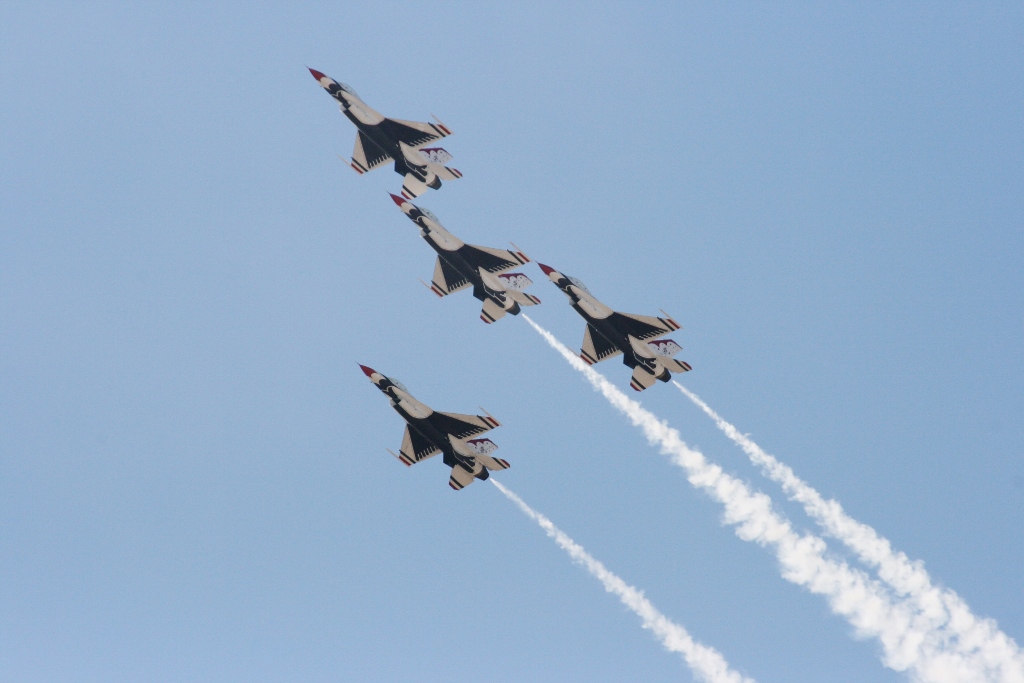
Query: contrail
point(706, 662)
point(973, 637)
point(908, 644)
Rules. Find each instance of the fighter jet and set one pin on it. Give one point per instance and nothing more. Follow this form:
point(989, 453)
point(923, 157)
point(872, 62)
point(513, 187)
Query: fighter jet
point(428, 433)
point(610, 333)
point(381, 140)
point(461, 265)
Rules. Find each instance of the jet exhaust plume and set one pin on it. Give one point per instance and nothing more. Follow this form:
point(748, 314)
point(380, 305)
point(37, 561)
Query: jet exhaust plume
point(707, 663)
point(944, 611)
point(908, 643)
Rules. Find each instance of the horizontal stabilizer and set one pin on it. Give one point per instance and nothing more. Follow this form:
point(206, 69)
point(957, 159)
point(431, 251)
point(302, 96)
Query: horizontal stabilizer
point(494, 464)
point(460, 478)
point(641, 379)
point(523, 299)
point(491, 312)
point(664, 350)
point(412, 186)
point(445, 172)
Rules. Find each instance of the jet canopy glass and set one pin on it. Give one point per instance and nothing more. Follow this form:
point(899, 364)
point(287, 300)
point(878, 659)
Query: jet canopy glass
point(426, 212)
point(398, 384)
point(578, 283)
point(348, 88)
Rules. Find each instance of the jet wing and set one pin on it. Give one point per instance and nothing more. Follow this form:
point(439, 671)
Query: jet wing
point(493, 260)
point(415, 448)
point(413, 133)
point(596, 347)
point(367, 155)
point(447, 279)
point(462, 426)
point(641, 326)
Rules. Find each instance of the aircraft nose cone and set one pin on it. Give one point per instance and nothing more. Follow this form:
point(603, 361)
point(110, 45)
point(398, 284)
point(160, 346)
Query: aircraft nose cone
point(316, 74)
point(367, 371)
point(547, 269)
point(397, 200)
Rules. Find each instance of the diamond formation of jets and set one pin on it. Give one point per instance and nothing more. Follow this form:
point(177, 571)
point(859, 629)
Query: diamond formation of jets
point(429, 432)
point(381, 140)
point(460, 265)
point(610, 333)
point(488, 272)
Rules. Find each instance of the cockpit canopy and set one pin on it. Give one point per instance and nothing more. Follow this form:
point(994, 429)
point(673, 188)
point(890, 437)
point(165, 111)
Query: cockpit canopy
point(578, 283)
point(348, 88)
point(398, 384)
point(429, 215)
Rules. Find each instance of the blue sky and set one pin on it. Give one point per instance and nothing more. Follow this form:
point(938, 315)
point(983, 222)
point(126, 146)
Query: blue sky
point(193, 476)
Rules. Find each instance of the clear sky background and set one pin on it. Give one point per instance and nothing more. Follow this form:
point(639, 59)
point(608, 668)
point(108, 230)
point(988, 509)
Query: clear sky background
point(193, 477)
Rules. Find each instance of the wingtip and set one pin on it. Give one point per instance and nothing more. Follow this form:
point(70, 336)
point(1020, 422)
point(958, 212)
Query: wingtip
point(670, 319)
point(526, 259)
point(490, 417)
point(441, 125)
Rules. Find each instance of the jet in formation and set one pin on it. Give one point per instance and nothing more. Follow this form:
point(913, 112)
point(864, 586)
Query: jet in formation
point(610, 333)
point(381, 140)
point(428, 432)
point(460, 265)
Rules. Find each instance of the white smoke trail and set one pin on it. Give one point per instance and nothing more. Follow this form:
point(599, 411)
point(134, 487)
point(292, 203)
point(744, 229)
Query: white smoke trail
point(945, 611)
point(908, 644)
point(706, 662)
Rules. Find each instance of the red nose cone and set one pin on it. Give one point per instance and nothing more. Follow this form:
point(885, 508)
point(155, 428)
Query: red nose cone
point(367, 371)
point(316, 74)
point(547, 269)
point(397, 200)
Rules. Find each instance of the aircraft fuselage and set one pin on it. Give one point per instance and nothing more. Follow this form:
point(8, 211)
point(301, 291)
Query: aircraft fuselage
point(450, 249)
point(368, 121)
point(600, 318)
point(417, 416)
